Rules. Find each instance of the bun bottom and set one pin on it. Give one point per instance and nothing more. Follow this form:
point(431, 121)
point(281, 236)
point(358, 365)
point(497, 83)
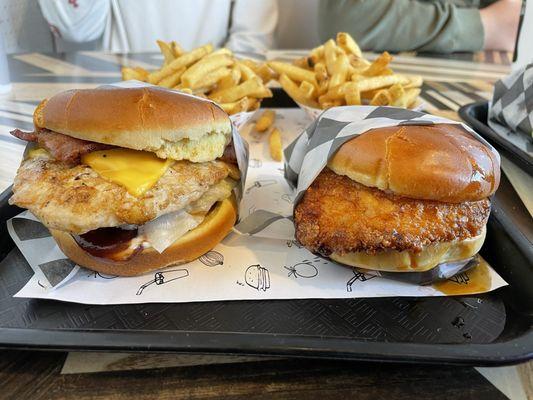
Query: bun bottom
point(216, 225)
point(404, 261)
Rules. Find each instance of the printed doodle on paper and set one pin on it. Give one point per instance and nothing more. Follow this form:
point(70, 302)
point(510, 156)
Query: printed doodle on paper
point(164, 277)
point(212, 259)
point(358, 276)
point(260, 184)
point(304, 269)
point(257, 277)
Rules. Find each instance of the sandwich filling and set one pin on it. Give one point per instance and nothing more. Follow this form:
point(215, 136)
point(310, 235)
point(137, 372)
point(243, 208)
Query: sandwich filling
point(69, 149)
point(128, 199)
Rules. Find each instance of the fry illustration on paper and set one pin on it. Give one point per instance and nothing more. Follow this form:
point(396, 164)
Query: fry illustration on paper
point(261, 183)
point(164, 277)
point(212, 259)
point(257, 277)
point(358, 276)
point(304, 269)
point(255, 163)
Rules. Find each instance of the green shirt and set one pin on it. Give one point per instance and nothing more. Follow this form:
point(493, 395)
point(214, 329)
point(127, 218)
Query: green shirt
point(402, 25)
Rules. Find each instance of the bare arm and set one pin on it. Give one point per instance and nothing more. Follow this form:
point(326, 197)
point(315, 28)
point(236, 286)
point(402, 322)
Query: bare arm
point(500, 22)
point(402, 25)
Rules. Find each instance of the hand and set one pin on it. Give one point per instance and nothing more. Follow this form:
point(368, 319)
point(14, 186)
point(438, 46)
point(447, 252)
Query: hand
point(500, 22)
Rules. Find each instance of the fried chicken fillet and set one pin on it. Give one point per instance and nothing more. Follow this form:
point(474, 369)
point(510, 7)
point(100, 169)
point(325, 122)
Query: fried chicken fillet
point(354, 214)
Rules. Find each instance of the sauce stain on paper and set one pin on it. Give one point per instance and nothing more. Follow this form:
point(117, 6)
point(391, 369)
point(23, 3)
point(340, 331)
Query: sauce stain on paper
point(476, 280)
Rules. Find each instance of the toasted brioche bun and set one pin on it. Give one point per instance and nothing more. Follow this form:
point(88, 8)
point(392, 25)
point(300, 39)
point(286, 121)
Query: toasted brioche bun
point(217, 224)
point(430, 162)
point(405, 261)
point(166, 122)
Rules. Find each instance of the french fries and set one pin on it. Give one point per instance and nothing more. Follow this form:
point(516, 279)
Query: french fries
point(295, 92)
point(336, 74)
point(293, 72)
point(184, 60)
point(265, 121)
point(167, 51)
point(348, 44)
point(252, 87)
point(136, 73)
point(274, 143)
point(237, 85)
point(194, 76)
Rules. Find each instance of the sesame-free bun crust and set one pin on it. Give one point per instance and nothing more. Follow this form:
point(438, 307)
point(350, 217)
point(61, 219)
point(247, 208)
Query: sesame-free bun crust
point(406, 261)
point(217, 224)
point(154, 119)
point(431, 162)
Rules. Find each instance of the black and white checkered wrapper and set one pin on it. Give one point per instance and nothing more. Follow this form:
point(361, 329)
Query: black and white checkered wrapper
point(511, 109)
point(307, 156)
point(40, 249)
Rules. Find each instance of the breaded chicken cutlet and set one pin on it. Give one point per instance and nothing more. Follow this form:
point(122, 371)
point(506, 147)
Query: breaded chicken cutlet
point(338, 215)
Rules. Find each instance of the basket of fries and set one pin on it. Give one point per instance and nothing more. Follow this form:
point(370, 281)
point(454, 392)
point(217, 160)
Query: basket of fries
point(237, 85)
point(336, 74)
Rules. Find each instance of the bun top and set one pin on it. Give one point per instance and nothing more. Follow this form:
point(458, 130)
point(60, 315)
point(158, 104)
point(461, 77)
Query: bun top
point(144, 118)
point(431, 162)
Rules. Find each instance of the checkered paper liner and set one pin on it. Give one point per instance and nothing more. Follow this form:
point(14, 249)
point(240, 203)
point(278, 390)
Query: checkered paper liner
point(511, 109)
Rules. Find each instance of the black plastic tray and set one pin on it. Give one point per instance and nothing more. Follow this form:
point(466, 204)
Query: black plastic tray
point(489, 329)
point(475, 115)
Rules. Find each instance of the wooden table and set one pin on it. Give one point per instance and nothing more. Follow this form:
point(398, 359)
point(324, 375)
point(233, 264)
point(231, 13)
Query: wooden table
point(33, 375)
point(449, 83)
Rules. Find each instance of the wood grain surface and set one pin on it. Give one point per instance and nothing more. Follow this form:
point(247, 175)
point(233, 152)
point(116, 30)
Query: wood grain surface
point(36, 375)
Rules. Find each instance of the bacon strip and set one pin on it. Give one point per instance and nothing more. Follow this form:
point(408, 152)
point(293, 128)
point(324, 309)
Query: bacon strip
point(62, 147)
point(229, 155)
point(27, 136)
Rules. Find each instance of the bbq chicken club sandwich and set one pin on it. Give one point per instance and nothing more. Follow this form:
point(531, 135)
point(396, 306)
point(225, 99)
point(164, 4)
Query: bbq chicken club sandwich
point(401, 199)
point(129, 180)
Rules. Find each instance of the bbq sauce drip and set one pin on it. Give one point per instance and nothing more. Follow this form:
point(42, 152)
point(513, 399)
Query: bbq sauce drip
point(111, 243)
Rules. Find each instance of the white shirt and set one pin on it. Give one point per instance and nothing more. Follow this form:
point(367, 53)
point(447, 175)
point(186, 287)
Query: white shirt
point(134, 25)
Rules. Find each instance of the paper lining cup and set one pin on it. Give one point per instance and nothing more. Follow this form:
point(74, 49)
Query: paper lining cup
point(313, 113)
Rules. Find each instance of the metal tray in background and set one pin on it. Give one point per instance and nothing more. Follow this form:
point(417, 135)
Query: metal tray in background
point(475, 115)
point(489, 329)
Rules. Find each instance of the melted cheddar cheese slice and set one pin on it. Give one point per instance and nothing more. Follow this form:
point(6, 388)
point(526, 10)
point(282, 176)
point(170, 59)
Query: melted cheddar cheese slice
point(135, 170)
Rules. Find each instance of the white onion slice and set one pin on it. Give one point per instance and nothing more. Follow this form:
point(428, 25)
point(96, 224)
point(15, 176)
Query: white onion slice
point(166, 229)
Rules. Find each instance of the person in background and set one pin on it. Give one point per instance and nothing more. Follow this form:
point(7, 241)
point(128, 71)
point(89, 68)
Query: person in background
point(133, 26)
point(442, 26)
